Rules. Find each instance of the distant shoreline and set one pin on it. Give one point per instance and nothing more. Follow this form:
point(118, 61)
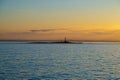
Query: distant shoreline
point(55, 41)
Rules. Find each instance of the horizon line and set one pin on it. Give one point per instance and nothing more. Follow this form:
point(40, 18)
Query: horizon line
point(68, 40)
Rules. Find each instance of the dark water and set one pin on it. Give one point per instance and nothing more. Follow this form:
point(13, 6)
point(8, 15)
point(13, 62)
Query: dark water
point(96, 61)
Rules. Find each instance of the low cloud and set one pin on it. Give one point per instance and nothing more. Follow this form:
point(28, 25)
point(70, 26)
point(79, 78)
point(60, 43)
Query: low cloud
point(38, 31)
point(101, 33)
point(62, 31)
point(43, 30)
point(48, 30)
point(106, 32)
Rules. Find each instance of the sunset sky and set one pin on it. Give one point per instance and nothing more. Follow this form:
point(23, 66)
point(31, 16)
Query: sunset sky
point(55, 19)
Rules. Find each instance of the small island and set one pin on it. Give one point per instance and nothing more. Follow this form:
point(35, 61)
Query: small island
point(65, 41)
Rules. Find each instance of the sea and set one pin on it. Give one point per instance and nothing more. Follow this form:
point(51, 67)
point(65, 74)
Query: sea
point(87, 61)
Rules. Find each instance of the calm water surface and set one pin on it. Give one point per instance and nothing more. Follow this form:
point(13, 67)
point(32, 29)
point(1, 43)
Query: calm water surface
point(89, 61)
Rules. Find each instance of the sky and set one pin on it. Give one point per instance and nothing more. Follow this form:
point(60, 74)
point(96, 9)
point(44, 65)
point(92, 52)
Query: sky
point(54, 19)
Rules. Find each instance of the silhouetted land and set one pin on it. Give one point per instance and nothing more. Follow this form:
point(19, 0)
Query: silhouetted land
point(56, 42)
point(65, 41)
point(60, 40)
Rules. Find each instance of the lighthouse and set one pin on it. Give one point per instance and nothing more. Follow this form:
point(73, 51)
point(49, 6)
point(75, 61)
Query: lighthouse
point(65, 40)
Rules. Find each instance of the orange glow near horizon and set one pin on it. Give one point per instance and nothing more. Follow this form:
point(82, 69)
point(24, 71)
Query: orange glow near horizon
point(53, 20)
